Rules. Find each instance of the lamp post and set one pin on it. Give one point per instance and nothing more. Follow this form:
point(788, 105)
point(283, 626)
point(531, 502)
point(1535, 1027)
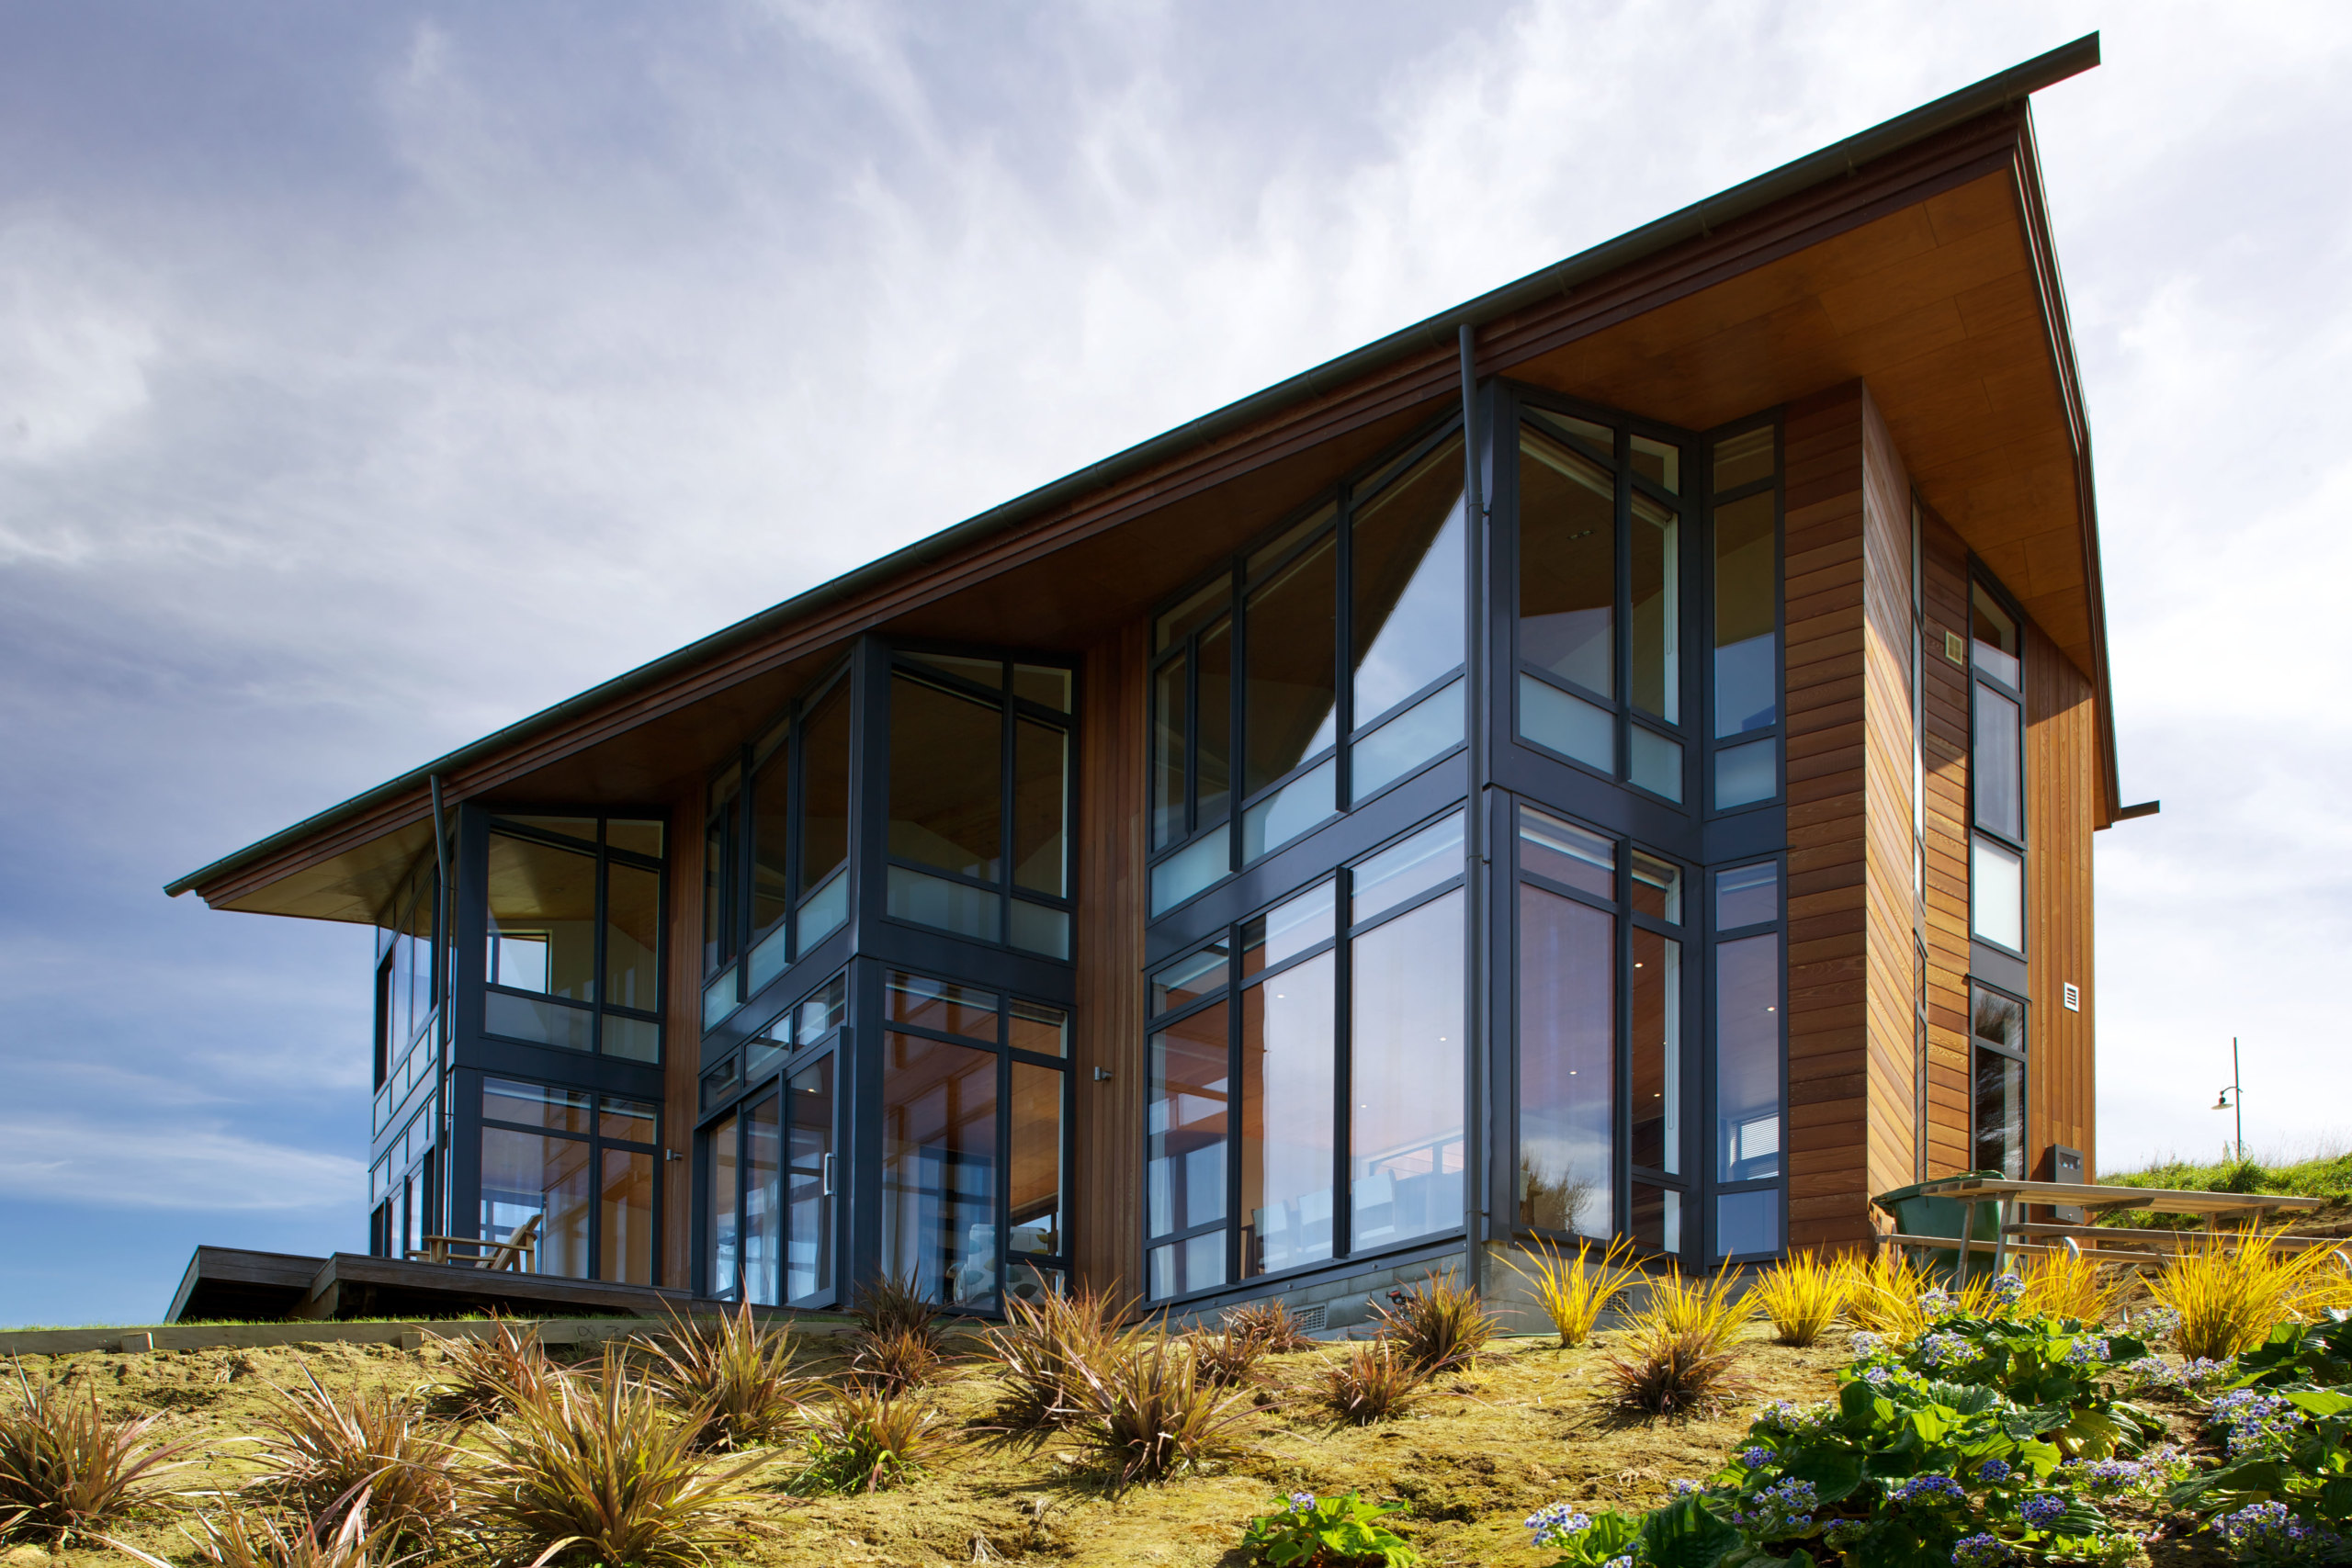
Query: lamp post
point(2223, 1101)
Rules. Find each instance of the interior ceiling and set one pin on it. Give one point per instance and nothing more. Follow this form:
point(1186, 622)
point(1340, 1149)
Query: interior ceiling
point(1936, 307)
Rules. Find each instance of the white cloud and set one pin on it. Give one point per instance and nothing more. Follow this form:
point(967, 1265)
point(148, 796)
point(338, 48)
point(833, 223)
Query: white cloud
point(120, 1165)
point(75, 346)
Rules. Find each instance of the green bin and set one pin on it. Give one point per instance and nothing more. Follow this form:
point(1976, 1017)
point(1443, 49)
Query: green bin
point(1918, 1214)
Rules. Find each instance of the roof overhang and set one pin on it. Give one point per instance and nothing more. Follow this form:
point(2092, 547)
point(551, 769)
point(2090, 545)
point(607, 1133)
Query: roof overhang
point(1914, 257)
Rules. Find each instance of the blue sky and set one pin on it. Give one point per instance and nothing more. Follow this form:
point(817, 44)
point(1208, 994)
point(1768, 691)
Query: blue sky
point(371, 376)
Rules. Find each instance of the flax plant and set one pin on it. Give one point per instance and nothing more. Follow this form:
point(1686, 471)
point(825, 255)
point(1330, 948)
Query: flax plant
point(1705, 1307)
point(1883, 1293)
point(600, 1468)
point(868, 1439)
point(482, 1375)
point(66, 1470)
point(736, 1370)
point(1439, 1328)
point(1371, 1381)
point(1043, 1353)
point(1148, 1414)
point(1574, 1292)
point(1802, 1296)
point(1268, 1323)
point(321, 1452)
point(243, 1537)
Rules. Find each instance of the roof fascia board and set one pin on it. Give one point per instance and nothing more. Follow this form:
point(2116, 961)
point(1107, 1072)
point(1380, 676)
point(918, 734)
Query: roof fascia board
point(405, 797)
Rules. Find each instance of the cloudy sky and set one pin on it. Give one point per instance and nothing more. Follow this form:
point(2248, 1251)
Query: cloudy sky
point(373, 376)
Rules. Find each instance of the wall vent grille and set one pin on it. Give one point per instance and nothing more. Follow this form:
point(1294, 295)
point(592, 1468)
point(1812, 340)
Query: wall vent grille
point(1313, 1319)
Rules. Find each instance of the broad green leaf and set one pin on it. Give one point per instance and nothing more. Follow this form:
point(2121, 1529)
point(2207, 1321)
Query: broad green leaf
point(1683, 1534)
point(1834, 1475)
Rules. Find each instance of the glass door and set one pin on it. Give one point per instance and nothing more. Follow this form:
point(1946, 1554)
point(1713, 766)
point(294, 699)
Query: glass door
point(812, 1179)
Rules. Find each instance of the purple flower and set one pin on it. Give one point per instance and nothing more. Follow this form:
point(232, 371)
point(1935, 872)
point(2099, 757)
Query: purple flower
point(1756, 1458)
point(2042, 1512)
point(1930, 1489)
point(1979, 1550)
point(1300, 1501)
point(1992, 1471)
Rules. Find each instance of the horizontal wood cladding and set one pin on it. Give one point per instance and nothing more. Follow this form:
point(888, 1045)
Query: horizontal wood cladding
point(2062, 741)
point(1943, 575)
point(1830, 1070)
point(1888, 744)
point(1105, 1181)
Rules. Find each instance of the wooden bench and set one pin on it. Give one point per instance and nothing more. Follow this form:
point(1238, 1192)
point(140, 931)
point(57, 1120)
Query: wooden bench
point(2030, 1238)
point(518, 1253)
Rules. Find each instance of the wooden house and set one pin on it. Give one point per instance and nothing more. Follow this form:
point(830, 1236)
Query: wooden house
point(1617, 758)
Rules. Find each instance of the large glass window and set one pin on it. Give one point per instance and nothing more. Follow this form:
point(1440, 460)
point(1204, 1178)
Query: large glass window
point(1748, 1125)
point(1405, 1071)
point(570, 1174)
point(1996, 773)
point(769, 1180)
point(407, 1005)
point(1599, 1008)
point(574, 955)
point(1397, 539)
point(1996, 1071)
point(1745, 634)
point(775, 851)
point(974, 1095)
point(1601, 598)
point(976, 771)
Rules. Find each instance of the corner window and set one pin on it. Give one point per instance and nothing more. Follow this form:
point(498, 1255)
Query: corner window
point(574, 941)
point(568, 1178)
point(1601, 598)
point(775, 850)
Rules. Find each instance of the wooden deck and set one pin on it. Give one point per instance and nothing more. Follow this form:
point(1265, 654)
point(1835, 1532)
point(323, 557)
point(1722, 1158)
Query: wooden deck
point(229, 1282)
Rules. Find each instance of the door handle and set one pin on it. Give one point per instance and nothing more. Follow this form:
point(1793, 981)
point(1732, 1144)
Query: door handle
point(825, 1188)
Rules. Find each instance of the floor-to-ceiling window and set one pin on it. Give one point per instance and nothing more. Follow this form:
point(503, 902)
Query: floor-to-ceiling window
point(1996, 1066)
point(1318, 668)
point(1996, 772)
point(1305, 1092)
point(770, 1173)
point(571, 1174)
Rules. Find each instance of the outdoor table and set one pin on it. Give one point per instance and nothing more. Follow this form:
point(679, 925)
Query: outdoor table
point(2007, 1195)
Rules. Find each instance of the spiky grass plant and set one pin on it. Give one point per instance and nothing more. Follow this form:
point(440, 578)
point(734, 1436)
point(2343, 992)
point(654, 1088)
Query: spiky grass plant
point(1271, 1324)
point(895, 1305)
point(319, 1451)
point(66, 1471)
point(1659, 1371)
point(598, 1468)
point(1370, 1381)
point(736, 1370)
point(1442, 1327)
point(894, 1362)
point(1042, 1354)
point(1148, 1414)
point(1884, 1293)
point(1707, 1305)
point(239, 1535)
point(868, 1439)
point(1574, 1291)
point(2229, 1296)
point(1802, 1296)
point(1228, 1358)
point(481, 1375)
point(2066, 1284)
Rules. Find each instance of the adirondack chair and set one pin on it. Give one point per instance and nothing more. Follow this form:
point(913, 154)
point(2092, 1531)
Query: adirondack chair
point(517, 1254)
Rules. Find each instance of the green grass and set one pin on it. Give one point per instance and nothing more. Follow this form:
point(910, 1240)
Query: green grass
point(2324, 1173)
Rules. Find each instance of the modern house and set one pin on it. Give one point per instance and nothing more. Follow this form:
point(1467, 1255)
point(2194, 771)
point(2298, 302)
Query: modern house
point(1617, 758)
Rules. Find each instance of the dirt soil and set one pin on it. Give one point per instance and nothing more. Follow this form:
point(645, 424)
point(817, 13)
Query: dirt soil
point(1470, 1459)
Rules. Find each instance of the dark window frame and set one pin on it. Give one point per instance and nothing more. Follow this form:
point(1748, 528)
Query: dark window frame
point(1361, 487)
point(2022, 1056)
point(1340, 943)
point(501, 823)
point(1624, 920)
point(598, 1144)
point(1777, 731)
point(1712, 1187)
point(1979, 578)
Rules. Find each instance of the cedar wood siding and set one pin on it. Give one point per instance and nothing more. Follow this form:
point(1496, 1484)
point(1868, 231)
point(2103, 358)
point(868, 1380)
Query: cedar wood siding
point(1105, 1181)
point(1943, 573)
point(1891, 975)
point(2060, 759)
point(1829, 958)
